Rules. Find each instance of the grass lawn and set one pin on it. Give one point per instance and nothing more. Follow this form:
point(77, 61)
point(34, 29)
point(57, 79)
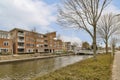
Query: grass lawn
point(88, 69)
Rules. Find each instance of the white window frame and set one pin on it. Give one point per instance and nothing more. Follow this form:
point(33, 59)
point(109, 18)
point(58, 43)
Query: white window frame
point(6, 42)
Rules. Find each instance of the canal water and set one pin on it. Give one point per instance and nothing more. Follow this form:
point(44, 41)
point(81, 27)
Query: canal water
point(30, 69)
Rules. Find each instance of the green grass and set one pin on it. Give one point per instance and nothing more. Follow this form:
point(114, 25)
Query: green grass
point(88, 69)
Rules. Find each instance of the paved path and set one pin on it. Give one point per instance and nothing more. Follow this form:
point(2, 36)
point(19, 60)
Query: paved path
point(116, 67)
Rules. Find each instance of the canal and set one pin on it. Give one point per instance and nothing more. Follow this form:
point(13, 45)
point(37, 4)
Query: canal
point(30, 69)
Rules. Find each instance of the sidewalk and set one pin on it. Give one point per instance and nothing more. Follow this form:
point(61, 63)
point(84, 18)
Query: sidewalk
point(116, 67)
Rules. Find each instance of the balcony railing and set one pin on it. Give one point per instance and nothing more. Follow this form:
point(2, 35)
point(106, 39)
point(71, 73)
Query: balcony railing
point(20, 34)
point(21, 40)
point(21, 47)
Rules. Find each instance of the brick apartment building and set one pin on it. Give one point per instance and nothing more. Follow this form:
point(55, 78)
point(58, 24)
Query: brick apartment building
point(68, 46)
point(29, 42)
point(23, 41)
point(5, 42)
point(49, 42)
point(58, 45)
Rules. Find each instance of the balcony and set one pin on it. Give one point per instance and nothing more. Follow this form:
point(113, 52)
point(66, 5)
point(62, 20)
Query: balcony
point(20, 50)
point(21, 47)
point(21, 34)
point(21, 40)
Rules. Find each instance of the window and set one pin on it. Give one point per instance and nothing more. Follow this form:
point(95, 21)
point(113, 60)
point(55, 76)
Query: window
point(45, 45)
point(4, 50)
point(40, 35)
point(5, 43)
point(30, 45)
point(29, 50)
point(39, 40)
point(46, 41)
point(39, 45)
point(4, 35)
point(45, 36)
point(20, 44)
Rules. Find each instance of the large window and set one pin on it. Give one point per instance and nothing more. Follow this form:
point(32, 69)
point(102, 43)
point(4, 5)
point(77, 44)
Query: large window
point(29, 50)
point(4, 35)
point(39, 45)
point(3, 50)
point(6, 43)
point(30, 45)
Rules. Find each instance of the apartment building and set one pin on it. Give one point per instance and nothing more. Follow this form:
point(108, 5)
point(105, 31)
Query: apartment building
point(64, 46)
point(27, 41)
point(68, 46)
point(34, 42)
point(49, 42)
point(5, 42)
point(18, 39)
point(23, 41)
point(58, 45)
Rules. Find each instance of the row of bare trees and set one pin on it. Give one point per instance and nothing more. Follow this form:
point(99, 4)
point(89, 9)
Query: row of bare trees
point(108, 26)
point(86, 15)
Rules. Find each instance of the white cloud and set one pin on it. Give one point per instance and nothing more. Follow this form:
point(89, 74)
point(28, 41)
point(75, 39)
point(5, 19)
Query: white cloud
point(71, 39)
point(111, 8)
point(30, 13)
point(26, 13)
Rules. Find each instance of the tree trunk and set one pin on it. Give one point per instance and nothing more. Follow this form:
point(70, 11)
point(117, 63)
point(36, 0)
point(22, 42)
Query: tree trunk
point(113, 49)
point(106, 46)
point(94, 42)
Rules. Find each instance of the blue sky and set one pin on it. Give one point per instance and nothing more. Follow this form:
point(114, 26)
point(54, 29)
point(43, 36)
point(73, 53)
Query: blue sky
point(79, 33)
point(41, 14)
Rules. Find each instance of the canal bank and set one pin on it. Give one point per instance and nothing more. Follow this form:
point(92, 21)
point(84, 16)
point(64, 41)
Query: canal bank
point(29, 57)
point(89, 69)
point(26, 70)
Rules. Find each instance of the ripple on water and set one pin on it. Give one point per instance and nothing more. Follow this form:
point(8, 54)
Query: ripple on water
point(30, 69)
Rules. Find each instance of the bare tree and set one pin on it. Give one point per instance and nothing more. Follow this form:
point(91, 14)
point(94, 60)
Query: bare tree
point(82, 14)
point(108, 25)
point(114, 41)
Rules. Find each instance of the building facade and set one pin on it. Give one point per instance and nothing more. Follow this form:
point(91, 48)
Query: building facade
point(5, 42)
point(58, 46)
point(30, 42)
point(23, 41)
point(49, 41)
point(69, 47)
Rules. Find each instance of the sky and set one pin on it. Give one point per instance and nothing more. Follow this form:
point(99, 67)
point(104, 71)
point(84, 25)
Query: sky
point(27, 14)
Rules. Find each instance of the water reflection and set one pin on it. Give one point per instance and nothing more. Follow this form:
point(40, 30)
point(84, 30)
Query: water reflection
point(29, 69)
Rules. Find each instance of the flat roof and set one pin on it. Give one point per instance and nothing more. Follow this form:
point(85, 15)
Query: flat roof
point(4, 31)
point(23, 30)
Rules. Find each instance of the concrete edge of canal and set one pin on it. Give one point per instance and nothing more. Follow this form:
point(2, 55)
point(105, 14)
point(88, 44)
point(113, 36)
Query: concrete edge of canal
point(29, 59)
